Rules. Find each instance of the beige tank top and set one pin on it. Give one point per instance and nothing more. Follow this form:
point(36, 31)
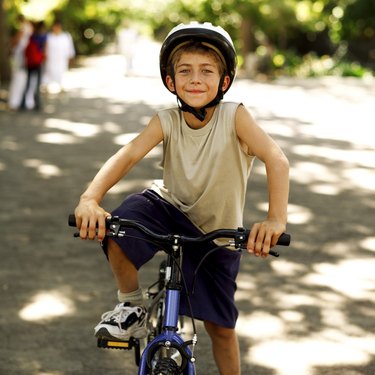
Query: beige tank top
point(205, 171)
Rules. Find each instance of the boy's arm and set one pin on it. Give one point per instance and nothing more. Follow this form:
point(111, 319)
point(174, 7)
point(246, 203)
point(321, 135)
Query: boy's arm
point(89, 214)
point(256, 142)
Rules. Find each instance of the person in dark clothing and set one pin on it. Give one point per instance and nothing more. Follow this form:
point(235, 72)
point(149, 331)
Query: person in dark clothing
point(34, 59)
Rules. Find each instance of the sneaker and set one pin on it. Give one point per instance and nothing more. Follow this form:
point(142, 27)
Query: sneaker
point(122, 323)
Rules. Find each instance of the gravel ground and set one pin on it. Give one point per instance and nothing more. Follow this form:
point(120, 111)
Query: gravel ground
point(309, 312)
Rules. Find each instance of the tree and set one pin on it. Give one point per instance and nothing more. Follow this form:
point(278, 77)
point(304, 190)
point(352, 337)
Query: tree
point(4, 46)
point(275, 31)
point(358, 29)
point(92, 23)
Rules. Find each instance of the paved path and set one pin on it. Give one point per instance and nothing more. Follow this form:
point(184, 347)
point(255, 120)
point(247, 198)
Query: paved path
point(310, 312)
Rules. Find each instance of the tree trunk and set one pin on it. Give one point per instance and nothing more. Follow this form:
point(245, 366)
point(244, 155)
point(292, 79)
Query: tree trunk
point(247, 48)
point(4, 46)
point(247, 42)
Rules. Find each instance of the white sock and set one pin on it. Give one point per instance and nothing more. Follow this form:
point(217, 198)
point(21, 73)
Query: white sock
point(134, 298)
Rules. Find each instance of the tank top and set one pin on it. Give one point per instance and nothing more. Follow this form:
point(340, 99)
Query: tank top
point(205, 171)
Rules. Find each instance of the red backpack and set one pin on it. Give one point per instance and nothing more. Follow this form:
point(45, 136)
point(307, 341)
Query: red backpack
point(33, 54)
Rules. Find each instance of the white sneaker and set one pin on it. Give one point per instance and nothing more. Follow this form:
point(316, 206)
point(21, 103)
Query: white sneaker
point(122, 323)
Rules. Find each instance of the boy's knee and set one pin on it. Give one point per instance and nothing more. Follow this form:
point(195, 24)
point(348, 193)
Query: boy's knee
point(218, 332)
point(112, 245)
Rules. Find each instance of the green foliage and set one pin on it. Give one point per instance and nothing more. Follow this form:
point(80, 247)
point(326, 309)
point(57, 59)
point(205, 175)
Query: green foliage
point(288, 36)
point(358, 21)
point(93, 24)
point(311, 65)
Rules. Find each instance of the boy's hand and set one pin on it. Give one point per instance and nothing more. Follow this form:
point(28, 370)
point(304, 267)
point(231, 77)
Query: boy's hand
point(90, 219)
point(263, 236)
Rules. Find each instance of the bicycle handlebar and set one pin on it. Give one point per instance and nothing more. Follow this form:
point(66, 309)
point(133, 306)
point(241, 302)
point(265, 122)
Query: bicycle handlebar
point(239, 235)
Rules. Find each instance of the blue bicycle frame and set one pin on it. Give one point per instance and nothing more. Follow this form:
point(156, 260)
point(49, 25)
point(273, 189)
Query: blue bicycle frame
point(169, 338)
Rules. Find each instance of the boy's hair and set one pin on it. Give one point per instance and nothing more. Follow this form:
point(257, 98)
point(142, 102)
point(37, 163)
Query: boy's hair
point(195, 47)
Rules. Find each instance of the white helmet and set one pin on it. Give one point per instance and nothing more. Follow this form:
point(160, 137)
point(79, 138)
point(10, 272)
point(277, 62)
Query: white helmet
point(214, 37)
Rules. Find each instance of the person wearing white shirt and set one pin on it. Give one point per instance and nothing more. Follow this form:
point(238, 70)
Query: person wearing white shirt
point(59, 52)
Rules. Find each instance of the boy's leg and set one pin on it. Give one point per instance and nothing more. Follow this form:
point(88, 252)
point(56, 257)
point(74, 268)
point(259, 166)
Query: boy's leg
point(225, 348)
point(123, 269)
point(129, 316)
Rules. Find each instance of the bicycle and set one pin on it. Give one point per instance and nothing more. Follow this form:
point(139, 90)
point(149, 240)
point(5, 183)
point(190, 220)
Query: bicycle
point(166, 352)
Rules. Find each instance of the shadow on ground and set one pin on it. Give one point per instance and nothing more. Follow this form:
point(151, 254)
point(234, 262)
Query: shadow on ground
point(309, 312)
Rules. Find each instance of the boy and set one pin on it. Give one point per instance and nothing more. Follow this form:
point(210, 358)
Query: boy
point(209, 147)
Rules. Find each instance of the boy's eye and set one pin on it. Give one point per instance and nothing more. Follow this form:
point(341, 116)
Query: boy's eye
point(185, 71)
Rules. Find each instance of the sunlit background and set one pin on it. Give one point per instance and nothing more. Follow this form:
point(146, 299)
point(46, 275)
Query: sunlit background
point(309, 312)
point(294, 37)
point(280, 337)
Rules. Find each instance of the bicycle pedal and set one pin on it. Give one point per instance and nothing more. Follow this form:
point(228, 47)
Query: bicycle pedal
point(118, 344)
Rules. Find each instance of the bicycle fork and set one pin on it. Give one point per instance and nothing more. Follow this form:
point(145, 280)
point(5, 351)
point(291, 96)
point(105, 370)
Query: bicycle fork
point(169, 340)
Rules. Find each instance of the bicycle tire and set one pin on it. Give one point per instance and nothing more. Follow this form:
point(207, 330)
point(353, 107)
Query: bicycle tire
point(166, 366)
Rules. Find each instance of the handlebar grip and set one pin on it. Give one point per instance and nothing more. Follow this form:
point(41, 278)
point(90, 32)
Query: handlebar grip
point(72, 220)
point(284, 240)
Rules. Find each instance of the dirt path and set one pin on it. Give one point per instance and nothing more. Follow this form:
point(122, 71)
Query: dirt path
point(310, 312)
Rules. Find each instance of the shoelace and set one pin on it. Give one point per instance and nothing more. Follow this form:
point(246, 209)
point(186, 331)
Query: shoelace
point(116, 315)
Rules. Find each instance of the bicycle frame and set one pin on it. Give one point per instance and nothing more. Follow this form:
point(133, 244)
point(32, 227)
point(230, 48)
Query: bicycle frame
point(169, 338)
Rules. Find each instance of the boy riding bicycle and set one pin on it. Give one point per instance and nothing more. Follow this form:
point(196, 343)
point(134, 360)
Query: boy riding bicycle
point(209, 147)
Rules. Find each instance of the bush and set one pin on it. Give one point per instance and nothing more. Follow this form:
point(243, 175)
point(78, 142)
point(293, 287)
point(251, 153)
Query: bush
point(288, 63)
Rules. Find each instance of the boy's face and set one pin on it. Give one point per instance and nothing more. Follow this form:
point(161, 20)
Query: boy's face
point(197, 79)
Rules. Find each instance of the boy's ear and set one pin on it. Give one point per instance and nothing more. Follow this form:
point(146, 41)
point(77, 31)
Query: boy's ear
point(170, 83)
point(226, 83)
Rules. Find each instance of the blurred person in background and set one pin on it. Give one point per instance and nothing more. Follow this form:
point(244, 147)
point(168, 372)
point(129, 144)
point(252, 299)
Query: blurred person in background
point(34, 59)
point(127, 42)
point(59, 53)
point(19, 42)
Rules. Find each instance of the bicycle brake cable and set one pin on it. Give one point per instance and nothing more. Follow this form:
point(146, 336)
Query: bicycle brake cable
point(201, 262)
point(187, 296)
point(182, 277)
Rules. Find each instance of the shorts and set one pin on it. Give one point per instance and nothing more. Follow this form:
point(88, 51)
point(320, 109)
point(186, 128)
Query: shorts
point(215, 284)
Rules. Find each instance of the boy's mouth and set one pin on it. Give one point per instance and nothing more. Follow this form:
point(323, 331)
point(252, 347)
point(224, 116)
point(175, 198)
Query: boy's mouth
point(195, 91)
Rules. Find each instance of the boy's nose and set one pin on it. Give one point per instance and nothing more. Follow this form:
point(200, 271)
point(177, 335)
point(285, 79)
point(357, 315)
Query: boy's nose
point(195, 77)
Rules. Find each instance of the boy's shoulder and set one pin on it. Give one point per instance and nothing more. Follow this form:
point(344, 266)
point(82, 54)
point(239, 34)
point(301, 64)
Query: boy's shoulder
point(169, 109)
point(228, 108)
point(169, 115)
point(230, 104)
point(226, 112)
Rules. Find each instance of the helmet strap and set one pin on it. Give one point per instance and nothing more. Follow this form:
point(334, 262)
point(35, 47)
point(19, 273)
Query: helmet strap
point(201, 113)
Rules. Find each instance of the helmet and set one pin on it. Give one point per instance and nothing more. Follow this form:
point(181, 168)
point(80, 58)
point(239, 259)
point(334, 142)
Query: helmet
point(214, 37)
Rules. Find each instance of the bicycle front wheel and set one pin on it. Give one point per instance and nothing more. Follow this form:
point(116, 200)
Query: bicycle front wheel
point(166, 366)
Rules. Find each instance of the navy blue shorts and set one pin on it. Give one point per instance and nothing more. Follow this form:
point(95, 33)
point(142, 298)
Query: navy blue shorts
point(215, 285)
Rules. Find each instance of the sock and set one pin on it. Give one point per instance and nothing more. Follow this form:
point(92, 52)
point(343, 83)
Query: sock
point(133, 298)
